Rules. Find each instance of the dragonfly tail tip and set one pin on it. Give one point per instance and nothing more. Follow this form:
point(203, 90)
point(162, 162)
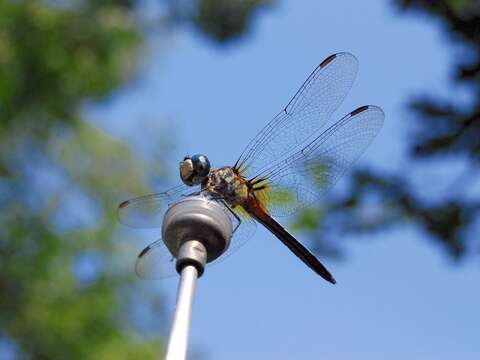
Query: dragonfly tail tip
point(330, 279)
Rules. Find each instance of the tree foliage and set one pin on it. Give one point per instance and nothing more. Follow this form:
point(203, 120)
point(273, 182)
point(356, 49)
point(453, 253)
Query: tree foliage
point(59, 282)
point(63, 276)
point(224, 20)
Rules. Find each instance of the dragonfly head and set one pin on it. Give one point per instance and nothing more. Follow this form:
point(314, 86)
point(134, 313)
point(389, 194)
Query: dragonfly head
point(195, 169)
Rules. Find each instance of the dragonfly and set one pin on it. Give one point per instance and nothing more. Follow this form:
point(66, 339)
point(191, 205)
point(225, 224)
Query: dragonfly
point(289, 165)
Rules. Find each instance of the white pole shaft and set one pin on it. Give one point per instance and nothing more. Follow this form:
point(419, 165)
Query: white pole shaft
point(177, 344)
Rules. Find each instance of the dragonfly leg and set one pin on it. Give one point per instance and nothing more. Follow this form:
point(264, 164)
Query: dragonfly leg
point(239, 221)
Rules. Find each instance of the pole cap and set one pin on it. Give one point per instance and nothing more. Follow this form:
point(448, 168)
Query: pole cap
point(198, 218)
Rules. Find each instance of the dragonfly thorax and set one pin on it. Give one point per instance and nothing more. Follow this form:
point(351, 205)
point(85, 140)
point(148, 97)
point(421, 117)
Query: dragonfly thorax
point(228, 185)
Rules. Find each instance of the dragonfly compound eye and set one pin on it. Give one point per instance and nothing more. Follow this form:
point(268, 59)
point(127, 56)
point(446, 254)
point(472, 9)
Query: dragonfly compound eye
point(194, 170)
point(201, 165)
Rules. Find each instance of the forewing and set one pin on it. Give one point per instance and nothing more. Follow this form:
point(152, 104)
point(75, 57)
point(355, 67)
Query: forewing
point(147, 211)
point(302, 178)
point(305, 114)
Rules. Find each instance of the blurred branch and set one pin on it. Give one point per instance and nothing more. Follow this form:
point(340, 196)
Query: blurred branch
point(443, 127)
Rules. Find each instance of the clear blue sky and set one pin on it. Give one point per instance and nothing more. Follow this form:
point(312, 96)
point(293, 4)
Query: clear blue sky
point(398, 296)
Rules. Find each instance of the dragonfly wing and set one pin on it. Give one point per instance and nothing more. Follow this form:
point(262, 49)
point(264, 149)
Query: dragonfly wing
point(156, 261)
point(147, 211)
point(303, 177)
point(242, 234)
point(305, 114)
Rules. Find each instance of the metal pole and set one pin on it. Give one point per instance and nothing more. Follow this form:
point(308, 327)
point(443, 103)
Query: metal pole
point(192, 218)
point(177, 344)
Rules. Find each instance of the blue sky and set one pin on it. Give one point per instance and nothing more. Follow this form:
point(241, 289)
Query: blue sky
point(398, 296)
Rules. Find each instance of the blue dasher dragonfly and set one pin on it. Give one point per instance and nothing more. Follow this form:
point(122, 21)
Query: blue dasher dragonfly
point(287, 166)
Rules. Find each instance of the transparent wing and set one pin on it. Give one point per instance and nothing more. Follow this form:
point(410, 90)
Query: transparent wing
point(302, 178)
point(243, 233)
point(147, 211)
point(156, 261)
point(307, 112)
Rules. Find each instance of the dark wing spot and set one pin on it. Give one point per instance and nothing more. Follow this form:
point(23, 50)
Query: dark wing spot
point(359, 110)
point(328, 60)
point(123, 204)
point(144, 251)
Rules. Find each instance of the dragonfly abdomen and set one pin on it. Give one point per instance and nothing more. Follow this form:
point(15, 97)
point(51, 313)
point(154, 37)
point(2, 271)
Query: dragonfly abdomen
point(289, 241)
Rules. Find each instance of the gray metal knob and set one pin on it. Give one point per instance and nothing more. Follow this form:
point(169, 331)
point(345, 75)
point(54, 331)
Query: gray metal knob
point(202, 220)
